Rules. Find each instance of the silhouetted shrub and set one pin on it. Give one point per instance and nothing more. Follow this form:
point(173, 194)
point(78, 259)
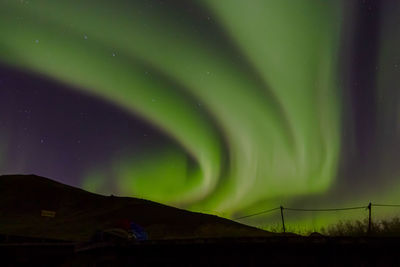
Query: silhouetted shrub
point(277, 228)
point(386, 227)
point(360, 228)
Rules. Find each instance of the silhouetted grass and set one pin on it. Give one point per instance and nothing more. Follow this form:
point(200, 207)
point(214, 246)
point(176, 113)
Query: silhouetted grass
point(389, 227)
point(385, 227)
point(277, 228)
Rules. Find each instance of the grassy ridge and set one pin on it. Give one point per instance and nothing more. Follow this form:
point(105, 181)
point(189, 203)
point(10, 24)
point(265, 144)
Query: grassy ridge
point(349, 228)
point(80, 213)
point(390, 227)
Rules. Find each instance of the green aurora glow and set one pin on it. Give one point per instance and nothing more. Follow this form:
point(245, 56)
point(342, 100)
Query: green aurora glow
point(269, 126)
point(264, 153)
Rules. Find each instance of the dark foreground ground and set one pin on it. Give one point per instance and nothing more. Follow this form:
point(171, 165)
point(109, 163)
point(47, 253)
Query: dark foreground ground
point(271, 251)
point(29, 236)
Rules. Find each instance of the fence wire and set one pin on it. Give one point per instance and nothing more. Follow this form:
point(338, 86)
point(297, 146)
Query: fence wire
point(335, 209)
point(258, 213)
point(369, 206)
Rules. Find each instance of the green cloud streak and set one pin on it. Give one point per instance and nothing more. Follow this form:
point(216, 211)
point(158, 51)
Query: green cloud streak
point(119, 79)
point(296, 59)
point(282, 136)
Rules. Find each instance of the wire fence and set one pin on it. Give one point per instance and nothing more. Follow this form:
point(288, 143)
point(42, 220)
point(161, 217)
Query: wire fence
point(282, 209)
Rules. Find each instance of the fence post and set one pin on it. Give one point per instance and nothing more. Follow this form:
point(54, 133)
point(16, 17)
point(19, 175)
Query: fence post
point(283, 220)
point(369, 217)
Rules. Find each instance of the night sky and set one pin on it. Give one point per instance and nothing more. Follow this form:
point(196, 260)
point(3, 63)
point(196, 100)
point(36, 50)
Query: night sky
point(227, 107)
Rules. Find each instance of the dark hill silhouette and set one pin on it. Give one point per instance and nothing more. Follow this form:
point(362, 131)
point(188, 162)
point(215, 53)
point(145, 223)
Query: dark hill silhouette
point(79, 214)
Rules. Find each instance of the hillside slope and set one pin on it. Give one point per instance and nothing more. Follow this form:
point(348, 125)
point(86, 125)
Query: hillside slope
point(80, 213)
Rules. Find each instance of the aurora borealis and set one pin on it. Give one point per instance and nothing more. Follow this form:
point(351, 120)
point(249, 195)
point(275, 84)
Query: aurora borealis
point(227, 107)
